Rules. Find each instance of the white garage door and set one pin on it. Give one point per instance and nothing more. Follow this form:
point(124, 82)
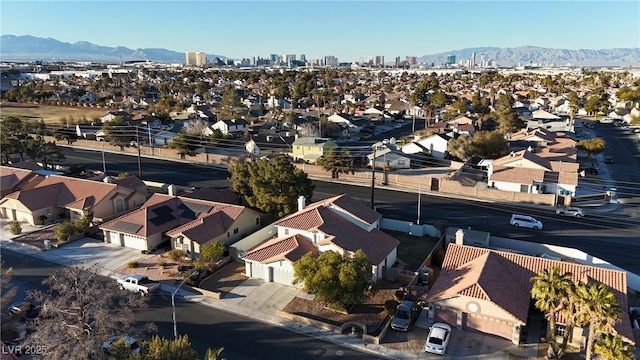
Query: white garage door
point(114, 238)
point(135, 243)
point(282, 276)
point(257, 270)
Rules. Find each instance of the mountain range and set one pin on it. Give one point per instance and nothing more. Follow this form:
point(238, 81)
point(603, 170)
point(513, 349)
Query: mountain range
point(31, 48)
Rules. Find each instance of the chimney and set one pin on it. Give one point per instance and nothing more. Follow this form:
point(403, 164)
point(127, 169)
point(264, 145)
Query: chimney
point(301, 203)
point(172, 190)
point(460, 237)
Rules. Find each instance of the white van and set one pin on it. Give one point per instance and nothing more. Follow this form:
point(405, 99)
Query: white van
point(525, 221)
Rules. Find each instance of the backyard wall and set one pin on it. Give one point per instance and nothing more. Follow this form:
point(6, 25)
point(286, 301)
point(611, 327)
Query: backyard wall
point(239, 248)
point(408, 227)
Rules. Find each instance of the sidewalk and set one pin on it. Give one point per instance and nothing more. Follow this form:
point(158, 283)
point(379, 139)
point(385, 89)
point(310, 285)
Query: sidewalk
point(260, 301)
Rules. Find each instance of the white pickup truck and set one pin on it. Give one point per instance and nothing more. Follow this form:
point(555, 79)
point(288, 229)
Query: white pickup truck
point(138, 283)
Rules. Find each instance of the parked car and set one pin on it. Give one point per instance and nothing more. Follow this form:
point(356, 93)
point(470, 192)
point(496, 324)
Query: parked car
point(138, 283)
point(405, 313)
point(132, 342)
point(608, 160)
point(438, 339)
point(518, 220)
point(589, 170)
point(570, 211)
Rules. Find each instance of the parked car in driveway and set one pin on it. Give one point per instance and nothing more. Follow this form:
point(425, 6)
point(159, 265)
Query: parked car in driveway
point(405, 313)
point(526, 221)
point(438, 339)
point(589, 170)
point(138, 283)
point(570, 211)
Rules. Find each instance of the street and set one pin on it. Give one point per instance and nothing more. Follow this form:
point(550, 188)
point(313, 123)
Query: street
point(242, 338)
point(609, 236)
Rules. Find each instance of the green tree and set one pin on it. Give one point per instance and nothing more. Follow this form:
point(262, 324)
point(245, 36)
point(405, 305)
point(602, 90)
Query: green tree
point(598, 102)
point(336, 161)
point(67, 134)
point(488, 145)
point(460, 147)
point(591, 146)
point(208, 252)
point(271, 186)
point(613, 347)
point(13, 138)
point(459, 107)
point(85, 221)
point(550, 289)
point(574, 105)
point(64, 230)
point(338, 280)
point(118, 132)
point(162, 349)
point(231, 105)
point(508, 121)
point(439, 99)
point(480, 104)
point(185, 144)
point(597, 307)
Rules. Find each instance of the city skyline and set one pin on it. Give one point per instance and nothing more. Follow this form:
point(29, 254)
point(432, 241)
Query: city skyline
point(350, 31)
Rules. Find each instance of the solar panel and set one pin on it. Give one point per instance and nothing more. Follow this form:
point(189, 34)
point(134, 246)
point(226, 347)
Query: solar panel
point(197, 208)
point(162, 219)
point(126, 227)
point(162, 210)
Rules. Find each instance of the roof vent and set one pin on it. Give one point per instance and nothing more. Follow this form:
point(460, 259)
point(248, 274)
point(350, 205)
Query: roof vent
point(512, 154)
point(530, 149)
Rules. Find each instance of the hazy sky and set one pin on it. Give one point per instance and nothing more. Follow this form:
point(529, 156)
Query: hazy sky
point(350, 30)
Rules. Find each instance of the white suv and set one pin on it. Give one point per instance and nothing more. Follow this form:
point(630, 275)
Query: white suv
point(525, 221)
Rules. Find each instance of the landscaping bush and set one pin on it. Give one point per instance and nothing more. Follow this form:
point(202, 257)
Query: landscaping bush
point(16, 228)
point(177, 254)
point(132, 264)
point(390, 307)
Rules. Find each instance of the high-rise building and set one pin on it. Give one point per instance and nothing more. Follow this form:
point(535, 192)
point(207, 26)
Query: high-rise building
point(195, 58)
point(451, 59)
point(473, 60)
point(397, 63)
point(303, 58)
point(412, 60)
point(331, 60)
point(379, 60)
point(289, 58)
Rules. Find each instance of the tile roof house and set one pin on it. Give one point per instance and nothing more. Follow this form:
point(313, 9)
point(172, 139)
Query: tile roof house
point(488, 291)
point(61, 196)
point(13, 179)
point(540, 162)
point(339, 224)
point(188, 222)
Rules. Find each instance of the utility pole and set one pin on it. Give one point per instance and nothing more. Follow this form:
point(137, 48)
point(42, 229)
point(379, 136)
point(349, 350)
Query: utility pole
point(138, 146)
point(373, 177)
point(419, 195)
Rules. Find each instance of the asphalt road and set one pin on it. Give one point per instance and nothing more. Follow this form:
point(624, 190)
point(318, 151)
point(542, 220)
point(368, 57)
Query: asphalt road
point(609, 236)
point(242, 338)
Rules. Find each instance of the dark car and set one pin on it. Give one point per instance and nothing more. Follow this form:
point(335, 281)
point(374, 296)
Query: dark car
point(608, 160)
point(590, 171)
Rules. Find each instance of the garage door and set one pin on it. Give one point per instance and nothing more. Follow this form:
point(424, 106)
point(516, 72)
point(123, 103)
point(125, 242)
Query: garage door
point(135, 243)
point(114, 238)
point(488, 325)
point(446, 316)
point(282, 276)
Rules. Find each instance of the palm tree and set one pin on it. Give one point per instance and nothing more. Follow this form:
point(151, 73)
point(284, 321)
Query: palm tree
point(613, 347)
point(596, 307)
point(550, 289)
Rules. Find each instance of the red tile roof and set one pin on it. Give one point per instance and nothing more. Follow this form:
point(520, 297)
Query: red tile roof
point(505, 279)
point(291, 248)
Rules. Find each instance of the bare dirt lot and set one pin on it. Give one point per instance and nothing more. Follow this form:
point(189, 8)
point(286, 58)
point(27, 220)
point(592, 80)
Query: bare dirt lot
point(51, 114)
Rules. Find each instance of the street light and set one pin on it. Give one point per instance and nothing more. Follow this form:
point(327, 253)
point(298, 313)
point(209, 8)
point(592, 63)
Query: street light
point(173, 303)
point(373, 169)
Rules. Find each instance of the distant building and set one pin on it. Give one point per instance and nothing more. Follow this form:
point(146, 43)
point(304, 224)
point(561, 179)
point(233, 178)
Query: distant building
point(379, 61)
point(451, 59)
point(412, 60)
point(397, 64)
point(195, 58)
point(473, 61)
point(331, 60)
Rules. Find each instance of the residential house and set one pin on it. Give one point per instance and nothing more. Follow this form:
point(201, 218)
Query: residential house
point(435, 144)
point(187, 222)
point(14, 179)
point(110, 115)
point(489, 291)
point(339, 224)
point(262, 145)
point(232, 126)
point(389, 158)
point(347, 120)
point(542, 115)
point(310, 148)
point(61, 196)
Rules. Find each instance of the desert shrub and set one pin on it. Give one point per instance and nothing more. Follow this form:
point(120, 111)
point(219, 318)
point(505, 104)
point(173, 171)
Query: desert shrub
point(390, 307)
point(16, 228)
point(177, 254)
point(132, 264)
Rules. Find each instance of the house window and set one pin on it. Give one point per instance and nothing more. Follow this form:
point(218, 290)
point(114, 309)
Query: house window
point(560, 330)
point(228, 234)
point(286, 231)
point(119, 205)
point(235, 231)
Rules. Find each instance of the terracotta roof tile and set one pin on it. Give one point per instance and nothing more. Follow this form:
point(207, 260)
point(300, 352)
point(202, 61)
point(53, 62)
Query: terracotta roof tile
point(291, 248)
point(517, 174)
point(505, 278)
